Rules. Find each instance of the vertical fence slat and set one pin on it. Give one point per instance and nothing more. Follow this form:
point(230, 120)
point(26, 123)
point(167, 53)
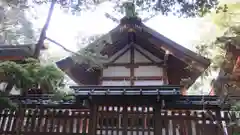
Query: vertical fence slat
point(59, 118)
point(118, 119)
point(64, 121)
point(71, 122)
point(39, 119)
point(85, 122)
point(51, 121)
point(157, 120)
point(189, 123)
point(4, 120)
point(10, 120)
point(27, 117)
point(79, 120)
point(166, 122)
point(46, 118)
point(174, 124)
point(107, 120)
point(33, 121)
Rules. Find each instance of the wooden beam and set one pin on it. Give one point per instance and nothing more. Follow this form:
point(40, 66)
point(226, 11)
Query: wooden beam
point(111, 49)
point(132, 62)
point(165, 75)
point(12, 58)
point(144, 55)
point(121, 54)
point(135, 65)
point(135, 78)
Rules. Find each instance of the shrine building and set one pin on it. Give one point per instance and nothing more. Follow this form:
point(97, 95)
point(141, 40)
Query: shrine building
point(137, 56)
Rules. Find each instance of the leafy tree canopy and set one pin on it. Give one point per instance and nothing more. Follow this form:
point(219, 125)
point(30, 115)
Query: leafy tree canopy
point(30, 74)
point(15, 26)
point(179, 7)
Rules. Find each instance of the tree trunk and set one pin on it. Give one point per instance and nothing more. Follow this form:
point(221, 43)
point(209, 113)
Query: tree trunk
point(42, 37)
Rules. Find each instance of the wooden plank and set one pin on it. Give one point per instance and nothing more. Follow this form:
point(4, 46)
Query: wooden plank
point(4, 116)
point(157, 120)
point(149, 121)
point(182, 122)
point(27, 121)
point(71, 123)
point(138, 118)
point(174, 124)
point(11, 119)
point(119, 115)
point(64, 121)
point(219, 126)
point(107, 120)
point(166, 122)
point(59, 118)
point(188, 124)
point(84, 122)
point(125, 120)
point(78, 121)
point(143, 119)
point(51, 122)
point(112, 124)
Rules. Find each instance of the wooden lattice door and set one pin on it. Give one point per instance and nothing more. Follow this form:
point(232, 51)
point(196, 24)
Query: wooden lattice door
point(124, 120)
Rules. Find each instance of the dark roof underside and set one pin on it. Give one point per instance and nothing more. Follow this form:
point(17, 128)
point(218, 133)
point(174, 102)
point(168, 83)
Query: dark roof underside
point(15, 51)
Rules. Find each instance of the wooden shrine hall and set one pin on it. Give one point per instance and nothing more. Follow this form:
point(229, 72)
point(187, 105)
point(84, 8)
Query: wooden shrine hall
point(139, 90)
point(136, 56)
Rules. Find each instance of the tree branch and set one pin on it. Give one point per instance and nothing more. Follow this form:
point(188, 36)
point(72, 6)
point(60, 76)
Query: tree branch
point(64, 48)
point(42, 37)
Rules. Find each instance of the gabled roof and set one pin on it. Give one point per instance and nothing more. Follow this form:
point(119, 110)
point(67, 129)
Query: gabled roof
point(149, 39)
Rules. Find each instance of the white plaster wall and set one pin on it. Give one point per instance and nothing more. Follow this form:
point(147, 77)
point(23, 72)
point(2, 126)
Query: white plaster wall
point(148, 71)
point(148, 82)
point(139, 58)
point(147, 53)
point(116, 83)
point(125, 58)
point(116, 71)
point(119, 53)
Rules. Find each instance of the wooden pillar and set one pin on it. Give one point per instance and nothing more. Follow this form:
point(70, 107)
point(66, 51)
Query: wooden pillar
point(132, 65)
point(125, 119)
point(165, 75)
point(93, 119)
point(157, 120)
point(221, 130)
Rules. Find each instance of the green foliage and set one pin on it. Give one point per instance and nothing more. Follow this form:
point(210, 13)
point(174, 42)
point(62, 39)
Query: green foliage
point(15, 27)
point(6, 103)
point(31, 73)
point(179, 7)
point(229, 17)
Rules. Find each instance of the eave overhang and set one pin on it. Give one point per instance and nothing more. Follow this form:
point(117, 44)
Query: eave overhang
point(116, 39)
point(18, 52)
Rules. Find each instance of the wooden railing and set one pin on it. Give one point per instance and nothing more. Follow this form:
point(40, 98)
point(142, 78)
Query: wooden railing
point(113, 120)
point(44, 121)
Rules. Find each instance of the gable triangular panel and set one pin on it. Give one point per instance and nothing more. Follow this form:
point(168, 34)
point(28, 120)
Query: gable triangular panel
point(122, 56)
point(139, 58)
point(139, 53)
point(125, 58)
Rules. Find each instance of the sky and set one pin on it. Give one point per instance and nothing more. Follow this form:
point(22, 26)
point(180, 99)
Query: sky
point(64, 28)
